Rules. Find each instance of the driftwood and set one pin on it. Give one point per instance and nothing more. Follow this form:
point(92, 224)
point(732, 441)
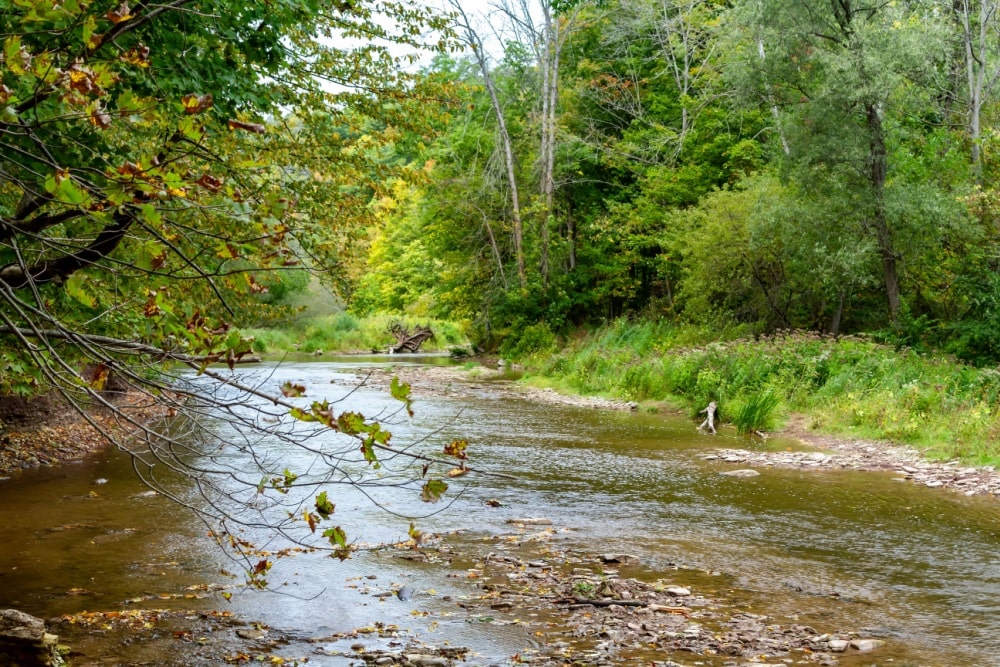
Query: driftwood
point(709, 411)
point(406, 340)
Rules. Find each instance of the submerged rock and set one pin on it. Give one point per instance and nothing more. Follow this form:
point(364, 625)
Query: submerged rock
point(744, 472)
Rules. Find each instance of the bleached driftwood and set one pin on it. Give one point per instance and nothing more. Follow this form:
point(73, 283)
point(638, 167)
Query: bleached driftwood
point(709, 411)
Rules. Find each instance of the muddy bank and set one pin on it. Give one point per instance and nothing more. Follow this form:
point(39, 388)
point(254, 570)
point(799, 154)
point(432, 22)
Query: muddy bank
point(48, 431)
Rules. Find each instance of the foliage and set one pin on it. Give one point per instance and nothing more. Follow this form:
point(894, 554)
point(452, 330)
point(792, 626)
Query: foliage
point(345, 332)
point(172, 172)
point(755, 165)
point(849, 385)
point(754, 413)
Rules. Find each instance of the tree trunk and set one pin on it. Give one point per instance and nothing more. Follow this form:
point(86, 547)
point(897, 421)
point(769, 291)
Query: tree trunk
point(878, 167)
point(550, 97)
point(472, 38)
point(838, 314)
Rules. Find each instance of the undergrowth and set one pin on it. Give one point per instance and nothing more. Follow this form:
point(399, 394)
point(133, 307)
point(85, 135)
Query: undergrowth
point(344, 332)
point(850, 386)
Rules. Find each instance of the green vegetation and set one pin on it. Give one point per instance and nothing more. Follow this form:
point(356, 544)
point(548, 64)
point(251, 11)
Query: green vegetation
point(344, 332)
point(850, 386)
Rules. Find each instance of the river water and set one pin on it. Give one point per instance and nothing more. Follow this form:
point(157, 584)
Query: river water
point(919, 567)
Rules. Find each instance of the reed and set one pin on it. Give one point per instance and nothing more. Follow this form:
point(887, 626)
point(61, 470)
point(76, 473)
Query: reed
point(756, 413)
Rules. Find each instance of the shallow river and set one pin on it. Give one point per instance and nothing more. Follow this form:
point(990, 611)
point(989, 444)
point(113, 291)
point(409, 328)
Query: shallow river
point(848, 550)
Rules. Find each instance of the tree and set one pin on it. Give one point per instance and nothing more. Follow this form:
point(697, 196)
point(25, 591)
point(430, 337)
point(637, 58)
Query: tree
point(978, 37)
point(853, 70)
point(155, 159)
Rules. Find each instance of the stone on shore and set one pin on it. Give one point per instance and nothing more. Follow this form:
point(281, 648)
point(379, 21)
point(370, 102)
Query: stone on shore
point(24, 641)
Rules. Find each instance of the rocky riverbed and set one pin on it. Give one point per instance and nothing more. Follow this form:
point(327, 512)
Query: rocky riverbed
point(572, 608)
point(865, 455)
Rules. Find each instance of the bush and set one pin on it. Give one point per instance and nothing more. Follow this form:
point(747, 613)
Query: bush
point(531, 340)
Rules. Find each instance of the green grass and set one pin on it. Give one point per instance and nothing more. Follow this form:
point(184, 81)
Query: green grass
point(343, 332)
point(756, 413)
point(850, 386)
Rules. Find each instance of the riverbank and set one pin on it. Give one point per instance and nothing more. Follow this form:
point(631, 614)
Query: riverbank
point(825, 452)
point(47, 431)
point(850, 386)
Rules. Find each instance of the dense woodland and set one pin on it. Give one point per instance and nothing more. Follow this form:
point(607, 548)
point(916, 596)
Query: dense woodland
point(171, 173)
point(746, 166)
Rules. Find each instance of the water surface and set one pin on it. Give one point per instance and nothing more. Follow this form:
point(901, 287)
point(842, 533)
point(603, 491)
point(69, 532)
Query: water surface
point(858, 550)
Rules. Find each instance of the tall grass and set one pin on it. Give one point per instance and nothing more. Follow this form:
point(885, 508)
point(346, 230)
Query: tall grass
point(849, 386)
point(756, 413)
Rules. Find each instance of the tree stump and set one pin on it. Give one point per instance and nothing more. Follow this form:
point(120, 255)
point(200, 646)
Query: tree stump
point(24, 641)
point(406, 340)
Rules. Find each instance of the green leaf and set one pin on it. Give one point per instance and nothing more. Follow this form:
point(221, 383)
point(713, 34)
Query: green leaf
point(368, 449)
point(351, 423)
point(337, 536)
point(432, 490)
point(401, 392)
point(323, 505)
point(77, 289)
point(302, 415)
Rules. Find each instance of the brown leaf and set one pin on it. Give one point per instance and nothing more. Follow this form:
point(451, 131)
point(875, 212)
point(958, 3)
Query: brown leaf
point(197, 103)
point(120, 13)
point(256, 128)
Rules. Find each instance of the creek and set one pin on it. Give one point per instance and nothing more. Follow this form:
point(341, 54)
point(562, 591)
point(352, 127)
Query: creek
point(919, 568)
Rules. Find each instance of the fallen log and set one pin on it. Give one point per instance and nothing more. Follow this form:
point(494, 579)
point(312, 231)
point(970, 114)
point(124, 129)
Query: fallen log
point(406, 340)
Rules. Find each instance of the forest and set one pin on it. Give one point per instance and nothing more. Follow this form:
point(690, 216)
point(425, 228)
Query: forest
point(629, 211)
point(170, 174)
point(745, 167)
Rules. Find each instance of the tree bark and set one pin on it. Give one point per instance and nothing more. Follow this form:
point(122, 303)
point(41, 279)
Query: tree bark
point(472, 38)
point(878, 167)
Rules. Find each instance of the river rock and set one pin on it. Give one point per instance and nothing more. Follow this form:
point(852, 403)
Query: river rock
point(677, 591)
point(424, 660)
point(623, 559)
point(531, 521)
point(838, 645)
point(251, 633)
point(865, 645)
point(743, 472)
point(24, 641)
